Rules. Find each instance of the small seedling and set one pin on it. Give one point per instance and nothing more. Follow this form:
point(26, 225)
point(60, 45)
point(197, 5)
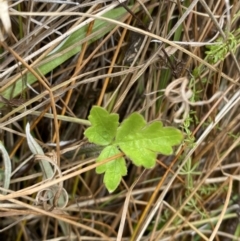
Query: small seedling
point(139, 141)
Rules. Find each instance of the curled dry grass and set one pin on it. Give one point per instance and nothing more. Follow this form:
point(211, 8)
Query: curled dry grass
point(61, 59)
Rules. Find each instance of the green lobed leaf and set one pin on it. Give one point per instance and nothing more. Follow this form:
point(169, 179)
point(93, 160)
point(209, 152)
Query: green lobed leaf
point(104, 126)
point(114, 170)
point(141, 142)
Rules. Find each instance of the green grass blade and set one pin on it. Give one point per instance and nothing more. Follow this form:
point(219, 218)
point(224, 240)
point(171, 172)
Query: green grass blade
point(69, 48)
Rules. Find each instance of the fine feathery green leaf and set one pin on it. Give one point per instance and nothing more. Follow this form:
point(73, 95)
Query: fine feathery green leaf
point(141, 142)
point(114, 170)
point(104, 126)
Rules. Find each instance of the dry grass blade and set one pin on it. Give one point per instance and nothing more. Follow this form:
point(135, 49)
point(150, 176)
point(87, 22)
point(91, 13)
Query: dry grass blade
point(5, 19)
point(55, 193)
point(7, 167)
point(173, 61)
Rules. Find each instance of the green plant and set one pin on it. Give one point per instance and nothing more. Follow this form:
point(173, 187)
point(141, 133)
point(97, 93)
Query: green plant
point(219, 50)
point(134, 137)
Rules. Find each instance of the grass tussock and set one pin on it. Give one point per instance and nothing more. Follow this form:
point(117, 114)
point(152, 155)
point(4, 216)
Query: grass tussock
point(174, 61)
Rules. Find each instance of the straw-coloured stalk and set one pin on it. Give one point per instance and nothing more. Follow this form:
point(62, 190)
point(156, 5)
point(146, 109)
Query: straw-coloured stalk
point(7, 167)
point(4, 16)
